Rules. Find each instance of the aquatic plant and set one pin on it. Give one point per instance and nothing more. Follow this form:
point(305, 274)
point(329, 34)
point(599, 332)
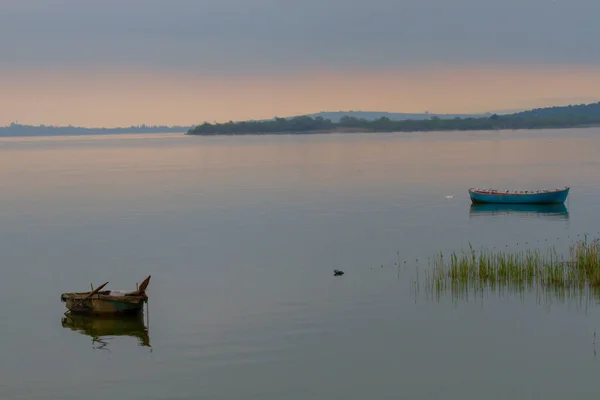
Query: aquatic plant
point(526, 269)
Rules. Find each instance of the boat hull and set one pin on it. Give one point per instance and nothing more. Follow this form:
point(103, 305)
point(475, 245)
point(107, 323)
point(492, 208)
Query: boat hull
point(105, 305)
point(550, 197)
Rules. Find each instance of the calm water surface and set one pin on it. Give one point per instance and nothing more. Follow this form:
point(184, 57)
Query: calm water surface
point(241, 235)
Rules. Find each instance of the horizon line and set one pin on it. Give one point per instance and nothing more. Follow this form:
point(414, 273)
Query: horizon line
point(173, 126)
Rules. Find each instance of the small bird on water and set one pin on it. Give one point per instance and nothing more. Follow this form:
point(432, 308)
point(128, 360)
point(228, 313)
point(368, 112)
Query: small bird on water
point(337, 272)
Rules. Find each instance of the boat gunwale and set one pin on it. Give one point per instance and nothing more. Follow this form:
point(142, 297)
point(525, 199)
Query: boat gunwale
point(127, 298)
point(494, 192)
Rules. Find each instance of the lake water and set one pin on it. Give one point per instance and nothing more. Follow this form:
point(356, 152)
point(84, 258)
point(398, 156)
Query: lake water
point(241, 236)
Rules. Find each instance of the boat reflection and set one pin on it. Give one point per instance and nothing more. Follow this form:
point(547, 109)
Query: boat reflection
point(553, 211)
point(102, 328)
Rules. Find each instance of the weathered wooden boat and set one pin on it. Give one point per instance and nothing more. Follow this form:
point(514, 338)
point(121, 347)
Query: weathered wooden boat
point(100, 328)
point(544, 196)
point(106, 302)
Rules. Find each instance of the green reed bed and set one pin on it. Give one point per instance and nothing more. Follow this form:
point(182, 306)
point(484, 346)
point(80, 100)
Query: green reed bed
point(523, 269)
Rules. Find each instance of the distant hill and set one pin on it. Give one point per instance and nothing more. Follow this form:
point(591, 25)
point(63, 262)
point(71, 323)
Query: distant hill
point(45, 130)
point(580, 110)
point(336, 116)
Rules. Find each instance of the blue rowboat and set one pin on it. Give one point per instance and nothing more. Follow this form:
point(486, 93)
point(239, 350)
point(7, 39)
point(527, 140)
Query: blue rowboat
point(545, 196)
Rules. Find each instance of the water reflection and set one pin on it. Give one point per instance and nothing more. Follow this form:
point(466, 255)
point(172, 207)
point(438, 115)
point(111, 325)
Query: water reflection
point(552, 211)
point(103, 328)
point(583, 298)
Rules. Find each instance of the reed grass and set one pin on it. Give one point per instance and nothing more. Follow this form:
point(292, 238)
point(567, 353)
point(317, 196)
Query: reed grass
point(525, 269)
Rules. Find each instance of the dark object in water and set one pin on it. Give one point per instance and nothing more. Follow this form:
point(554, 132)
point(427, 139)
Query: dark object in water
point(106, 302)
point(337, 272)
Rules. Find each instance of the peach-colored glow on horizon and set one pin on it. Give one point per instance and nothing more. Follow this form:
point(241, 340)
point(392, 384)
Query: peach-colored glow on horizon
point(123, 98)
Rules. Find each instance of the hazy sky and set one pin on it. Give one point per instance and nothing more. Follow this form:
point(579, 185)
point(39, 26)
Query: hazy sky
point(181, 61)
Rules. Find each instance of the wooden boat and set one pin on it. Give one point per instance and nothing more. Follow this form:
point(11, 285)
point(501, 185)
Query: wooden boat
point(99, 302)
point(544, 196)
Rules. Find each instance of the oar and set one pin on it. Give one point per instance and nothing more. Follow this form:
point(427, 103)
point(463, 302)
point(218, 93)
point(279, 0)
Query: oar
point(86, 297)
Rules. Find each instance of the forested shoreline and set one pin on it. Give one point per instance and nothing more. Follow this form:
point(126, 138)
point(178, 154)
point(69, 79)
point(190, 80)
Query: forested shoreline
point(543, 118)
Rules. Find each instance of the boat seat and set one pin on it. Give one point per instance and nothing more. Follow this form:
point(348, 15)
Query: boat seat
point(118, 292)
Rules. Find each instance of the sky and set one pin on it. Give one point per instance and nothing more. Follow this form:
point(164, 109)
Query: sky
point(123, 62)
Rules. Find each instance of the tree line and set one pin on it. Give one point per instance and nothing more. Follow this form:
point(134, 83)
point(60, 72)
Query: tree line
point(552, 117)
point(15, 129)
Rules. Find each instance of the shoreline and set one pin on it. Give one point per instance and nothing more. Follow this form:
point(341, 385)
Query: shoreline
point(367, 130)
